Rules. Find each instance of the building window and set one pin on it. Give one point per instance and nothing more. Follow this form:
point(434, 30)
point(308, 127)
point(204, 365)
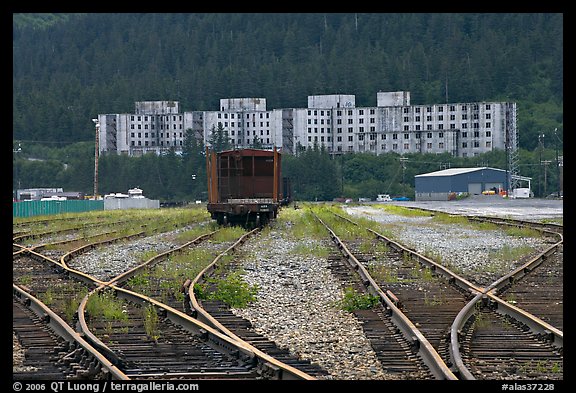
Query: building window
point(406, 146)
point(441, 145)
point(464, 144)
point(488, 125)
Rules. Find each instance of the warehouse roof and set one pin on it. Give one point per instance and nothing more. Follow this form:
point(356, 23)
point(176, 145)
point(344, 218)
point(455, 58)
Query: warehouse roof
point(456, 171)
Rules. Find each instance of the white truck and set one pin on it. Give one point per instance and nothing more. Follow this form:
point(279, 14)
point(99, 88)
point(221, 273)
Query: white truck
point(383, 198)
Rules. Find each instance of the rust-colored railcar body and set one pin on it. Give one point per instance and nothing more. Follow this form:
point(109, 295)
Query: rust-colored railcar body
point(245, 186)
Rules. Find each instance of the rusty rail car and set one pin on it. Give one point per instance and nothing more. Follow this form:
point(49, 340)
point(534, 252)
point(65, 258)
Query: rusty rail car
point(245, 186)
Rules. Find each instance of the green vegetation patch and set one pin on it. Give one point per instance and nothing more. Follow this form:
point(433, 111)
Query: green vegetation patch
point(106, 306)
point(232, 290)
point(353, 300)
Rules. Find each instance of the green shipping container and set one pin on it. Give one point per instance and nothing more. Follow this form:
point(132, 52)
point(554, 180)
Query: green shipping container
point(41, 208)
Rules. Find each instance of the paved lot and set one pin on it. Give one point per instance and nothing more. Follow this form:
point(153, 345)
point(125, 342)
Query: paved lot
point(495, 205)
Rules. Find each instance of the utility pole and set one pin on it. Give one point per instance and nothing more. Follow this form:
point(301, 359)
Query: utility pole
point(16, 151)
point(545, 162)
point(96, 154)
point(403, 162)
point(541, 145)
point(557, 161)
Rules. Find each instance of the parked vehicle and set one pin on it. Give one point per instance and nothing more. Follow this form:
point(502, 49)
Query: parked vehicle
point(402, 198)
point(383, 198)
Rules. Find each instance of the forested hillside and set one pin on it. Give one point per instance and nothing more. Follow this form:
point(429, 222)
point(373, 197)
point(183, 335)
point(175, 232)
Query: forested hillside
point(67, 68)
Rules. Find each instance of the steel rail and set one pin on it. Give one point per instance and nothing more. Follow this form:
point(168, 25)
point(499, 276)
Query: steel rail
point(192, 324)
point(71, 254)
point(60, 327)
point(488, 294)
point(431, 358)
point(156, 259)
point(202, 315)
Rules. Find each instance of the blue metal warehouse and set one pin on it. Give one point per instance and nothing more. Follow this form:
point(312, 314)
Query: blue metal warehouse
point(443, 185)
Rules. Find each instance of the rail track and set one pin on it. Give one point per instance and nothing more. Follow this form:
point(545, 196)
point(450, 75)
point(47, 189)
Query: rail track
point(533, 347)
point(430, 323)
point(186, 348)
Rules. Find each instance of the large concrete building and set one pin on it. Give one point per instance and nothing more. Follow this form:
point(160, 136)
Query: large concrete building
point(332, 121)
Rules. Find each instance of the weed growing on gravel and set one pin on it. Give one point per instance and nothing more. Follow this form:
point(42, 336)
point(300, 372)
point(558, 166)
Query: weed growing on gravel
point(151, 322)
point(508, 253)
point(228, 234)
point(403, 211)
point(522, 232)
point(353, 300)
point(233, 290)
point(313, 250)
point(300, 223)
point(105, 305)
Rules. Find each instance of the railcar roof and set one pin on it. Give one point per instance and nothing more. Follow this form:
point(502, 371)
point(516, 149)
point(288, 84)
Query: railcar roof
point(248, 152)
